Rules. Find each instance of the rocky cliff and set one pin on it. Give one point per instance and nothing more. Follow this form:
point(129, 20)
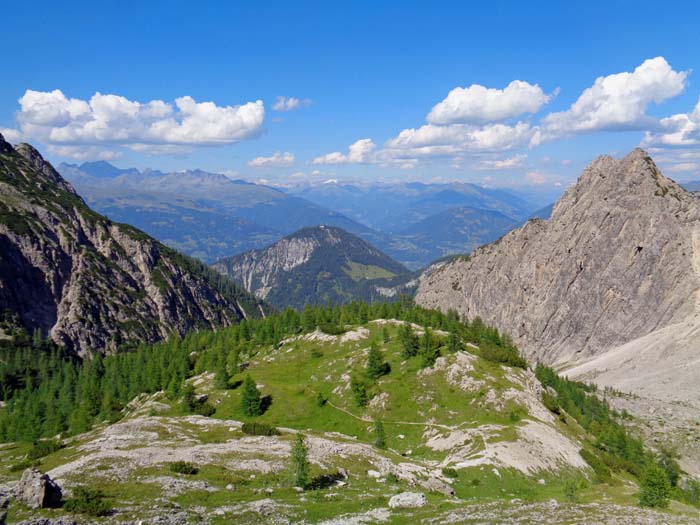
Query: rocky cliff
point(618, 259)
point(313, 266)
point(90, 284)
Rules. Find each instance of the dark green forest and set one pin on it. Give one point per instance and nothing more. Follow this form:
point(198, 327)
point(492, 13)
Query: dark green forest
point(48, 391)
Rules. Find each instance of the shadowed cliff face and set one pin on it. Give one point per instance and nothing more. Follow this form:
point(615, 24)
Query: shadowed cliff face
point(616, 260)
point(92, 284)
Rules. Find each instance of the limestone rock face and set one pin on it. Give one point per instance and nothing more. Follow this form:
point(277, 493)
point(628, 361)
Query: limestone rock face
point(618, 259)
point(408, 500)
point(91, 284)
point(36, 490)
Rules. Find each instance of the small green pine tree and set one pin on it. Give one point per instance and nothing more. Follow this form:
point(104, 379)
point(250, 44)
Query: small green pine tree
point(454, 343)
point(385, 334)
point(251, 401)
point(359, 392)
point(221, 377)
point(375, 365)
point(379, 435)
point(656, 488)
point(667, 461)
point(299, 460)
point(409, 341)
point(429, 350)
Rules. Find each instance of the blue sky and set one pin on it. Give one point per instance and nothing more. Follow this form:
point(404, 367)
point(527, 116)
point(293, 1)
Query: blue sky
point(359, 71)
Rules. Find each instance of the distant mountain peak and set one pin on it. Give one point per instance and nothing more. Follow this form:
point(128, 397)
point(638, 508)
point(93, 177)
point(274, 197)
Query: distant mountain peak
point(314, 265)
point(104, 170)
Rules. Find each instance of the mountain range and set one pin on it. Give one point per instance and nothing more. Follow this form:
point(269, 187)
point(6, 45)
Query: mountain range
point(395, 397)
point(211, 216)
point(92, 284)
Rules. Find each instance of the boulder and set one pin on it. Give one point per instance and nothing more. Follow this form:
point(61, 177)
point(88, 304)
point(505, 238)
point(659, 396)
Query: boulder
point(36, 490)
point(435, 485)
point(408, 500)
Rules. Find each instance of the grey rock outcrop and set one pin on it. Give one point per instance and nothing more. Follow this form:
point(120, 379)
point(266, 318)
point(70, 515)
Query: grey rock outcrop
point(436, 485)
point(37, 490)
point(89, 283)
point(618, 259)
point(408, 500)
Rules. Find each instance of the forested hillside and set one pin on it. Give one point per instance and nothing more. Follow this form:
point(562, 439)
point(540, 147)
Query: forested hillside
point(378, 390)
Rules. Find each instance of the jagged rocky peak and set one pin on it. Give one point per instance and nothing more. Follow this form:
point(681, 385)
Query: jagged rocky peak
point(5, 147)
point(630, 181)
point(616, 260)
point(43, 167)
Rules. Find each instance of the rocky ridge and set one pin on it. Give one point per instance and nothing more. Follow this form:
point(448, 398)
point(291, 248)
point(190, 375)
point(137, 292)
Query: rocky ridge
point(90, 284)
point(617, 260)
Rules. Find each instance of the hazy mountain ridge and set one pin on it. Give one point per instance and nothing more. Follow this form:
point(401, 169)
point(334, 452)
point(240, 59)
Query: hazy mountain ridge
point(92, 284)
point(393, 207)
point(207, 215)
point(315, 266)
point(211, 216)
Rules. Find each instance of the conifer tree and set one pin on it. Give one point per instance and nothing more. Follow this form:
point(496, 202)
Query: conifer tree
point(429, 350)
point(251, 401)
point(221, 377)
point(359, 392)
point(376, 367)
point(299, 462)
point(409, 341)
point(379, 435)
point(454, 343)
point(656, 488)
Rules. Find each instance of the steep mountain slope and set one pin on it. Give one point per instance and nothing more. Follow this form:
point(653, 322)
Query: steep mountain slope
point(92, 284)
point(205, 215)
point(617, 260)
point(456, 230)
point(314, 266)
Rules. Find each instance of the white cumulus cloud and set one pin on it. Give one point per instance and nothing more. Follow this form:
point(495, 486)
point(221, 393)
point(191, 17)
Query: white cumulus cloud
point(501, 164)
point(677, 130)
point(277, 160)
point(462, 137)
point(112, 119)
point(479, 104)
point(290, 103)
point(359, 152)
point(616, 102)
